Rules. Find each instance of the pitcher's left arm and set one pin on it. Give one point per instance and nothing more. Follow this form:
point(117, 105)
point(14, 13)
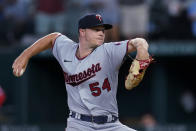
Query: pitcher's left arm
point(139, 64)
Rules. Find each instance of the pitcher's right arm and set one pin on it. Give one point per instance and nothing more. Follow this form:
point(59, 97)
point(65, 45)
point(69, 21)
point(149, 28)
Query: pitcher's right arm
point(40, 45)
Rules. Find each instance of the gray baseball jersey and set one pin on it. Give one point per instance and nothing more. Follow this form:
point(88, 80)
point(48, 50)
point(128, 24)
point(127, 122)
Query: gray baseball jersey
point(91, 82)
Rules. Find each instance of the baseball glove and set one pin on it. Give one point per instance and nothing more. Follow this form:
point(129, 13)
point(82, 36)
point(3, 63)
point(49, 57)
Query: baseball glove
point(136, 72)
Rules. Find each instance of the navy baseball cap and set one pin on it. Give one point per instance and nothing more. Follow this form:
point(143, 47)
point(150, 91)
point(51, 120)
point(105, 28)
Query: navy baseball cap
point(92, 20)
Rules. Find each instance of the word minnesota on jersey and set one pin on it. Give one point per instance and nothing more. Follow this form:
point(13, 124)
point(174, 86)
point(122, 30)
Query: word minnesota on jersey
point(81, 77)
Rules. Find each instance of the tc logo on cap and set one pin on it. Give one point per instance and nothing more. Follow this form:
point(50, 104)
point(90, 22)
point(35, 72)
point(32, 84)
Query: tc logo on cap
point(98, 17)
point(92, 20)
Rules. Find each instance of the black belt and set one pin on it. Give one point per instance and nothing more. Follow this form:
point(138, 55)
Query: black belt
point(94, 119)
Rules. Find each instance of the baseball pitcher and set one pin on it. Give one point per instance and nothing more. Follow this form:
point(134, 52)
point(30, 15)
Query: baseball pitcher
point(91, 70)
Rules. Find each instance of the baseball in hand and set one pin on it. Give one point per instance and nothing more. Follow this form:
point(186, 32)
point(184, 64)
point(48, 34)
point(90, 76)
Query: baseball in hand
point(21, 72)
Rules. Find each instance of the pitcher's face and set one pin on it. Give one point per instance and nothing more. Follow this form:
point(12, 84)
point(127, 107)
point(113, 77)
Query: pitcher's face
point(95, 36)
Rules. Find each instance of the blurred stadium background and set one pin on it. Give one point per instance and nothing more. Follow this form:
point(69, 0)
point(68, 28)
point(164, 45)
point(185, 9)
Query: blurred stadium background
point(164, 101)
